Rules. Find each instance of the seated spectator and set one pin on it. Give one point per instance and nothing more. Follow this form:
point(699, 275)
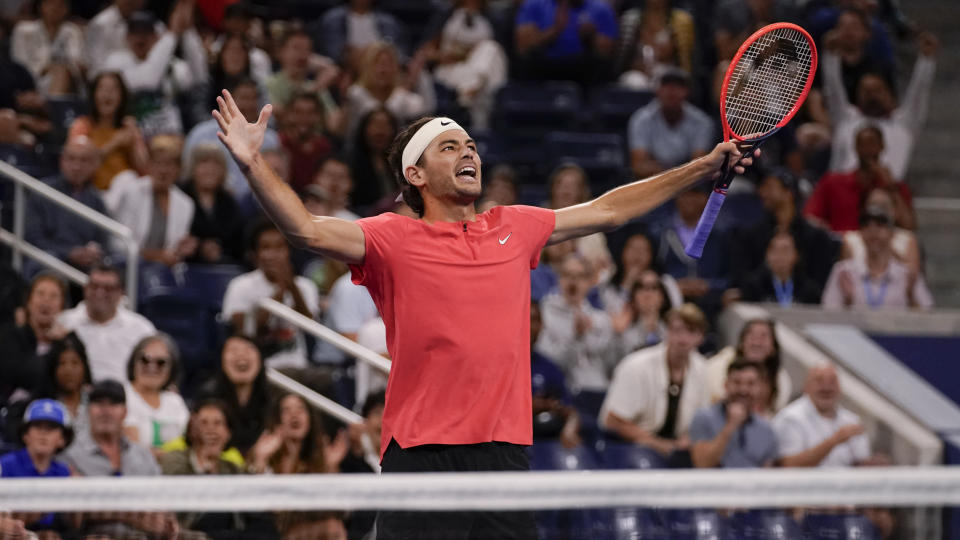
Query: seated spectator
point(12, 291)
point(51, 47)
point(702, 280)
point(217, 223)
point(45, 431)
point(668, 131)
point(247, 97)
point(554, 417)
point(108, 330)
point(301, 72)
point(880, 280)
point(652, 39)
point(106, 451)
point(106, 33)
point(728, 434)
point(69, 379)
point(756, 344)
point(375, 184)
point(364, 454)
point(241, 385)
point(155, 209)
point(636, 259)
point(816, 431)
point(735, 20)
point(578, 336)
point(235, 57)
point(904, 243)
point(569, 185)
point(61, 233)
point(282, 343)
point(381, 83)
point(156, 413)
point(157, 80)
point(22, 346)
point(465, 58)
point(876, 105)
point(543, 278)
point(116, 135)
point(16, 88)
point(306, 145)
point(780, 194)
point(345, 31)
point(835, 201)
point(656, 391)
point(500, 189)
point(640, 323)
point(781, 278)
point(335, 182)
point(295, 444)
point(557, 40)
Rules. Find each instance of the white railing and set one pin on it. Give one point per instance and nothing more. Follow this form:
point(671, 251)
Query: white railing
point(20, 247)
point(346, 345)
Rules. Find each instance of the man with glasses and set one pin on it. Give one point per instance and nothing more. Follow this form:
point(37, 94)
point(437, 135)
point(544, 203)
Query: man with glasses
point(107, 329)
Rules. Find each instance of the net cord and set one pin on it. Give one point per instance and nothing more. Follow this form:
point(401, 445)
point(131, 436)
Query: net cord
point(739, 488)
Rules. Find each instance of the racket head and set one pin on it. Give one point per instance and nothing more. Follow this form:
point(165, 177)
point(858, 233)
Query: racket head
point(767, 82)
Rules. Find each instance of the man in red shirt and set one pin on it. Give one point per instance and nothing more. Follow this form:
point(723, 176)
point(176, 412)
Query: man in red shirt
point(453, 289)
point(836, 201)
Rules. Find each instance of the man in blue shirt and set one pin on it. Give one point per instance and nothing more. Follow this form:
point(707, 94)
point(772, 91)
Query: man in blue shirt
point(44, 432)
point(728, 434)
point(565, 39)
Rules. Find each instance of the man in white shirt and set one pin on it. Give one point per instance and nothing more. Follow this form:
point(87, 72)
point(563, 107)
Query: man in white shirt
point(578, 336)
point(283, 344)
point(815, 431)
point(154, 76)
point(107, 32)
point(656, 391)
point(108, 330)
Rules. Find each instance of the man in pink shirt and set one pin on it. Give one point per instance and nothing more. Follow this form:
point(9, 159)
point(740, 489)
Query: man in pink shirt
point(453, 289)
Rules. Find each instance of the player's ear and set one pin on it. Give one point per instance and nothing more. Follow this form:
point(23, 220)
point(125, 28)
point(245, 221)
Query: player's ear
point(414, 175)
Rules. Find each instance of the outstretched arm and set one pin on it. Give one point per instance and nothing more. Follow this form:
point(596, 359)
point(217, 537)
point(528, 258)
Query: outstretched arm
point(618, 206)
point(332, 237)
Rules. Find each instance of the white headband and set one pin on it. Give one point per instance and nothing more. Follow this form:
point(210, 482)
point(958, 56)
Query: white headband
point(422, 138)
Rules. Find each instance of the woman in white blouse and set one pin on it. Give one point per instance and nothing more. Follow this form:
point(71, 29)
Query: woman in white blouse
point(51, 48)
point(156, 413)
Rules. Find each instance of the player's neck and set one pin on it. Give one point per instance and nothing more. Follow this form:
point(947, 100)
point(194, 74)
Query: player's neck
point(451, 213)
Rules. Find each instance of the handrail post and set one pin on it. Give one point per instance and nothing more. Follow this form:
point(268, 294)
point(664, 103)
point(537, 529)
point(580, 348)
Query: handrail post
point(19, 205)
point(133, 263)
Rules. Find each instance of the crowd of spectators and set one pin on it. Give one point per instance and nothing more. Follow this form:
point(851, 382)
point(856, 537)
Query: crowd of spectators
point(91, 387)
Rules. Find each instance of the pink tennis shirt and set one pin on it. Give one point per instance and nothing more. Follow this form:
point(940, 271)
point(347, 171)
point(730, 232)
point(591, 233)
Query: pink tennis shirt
point(455, 299)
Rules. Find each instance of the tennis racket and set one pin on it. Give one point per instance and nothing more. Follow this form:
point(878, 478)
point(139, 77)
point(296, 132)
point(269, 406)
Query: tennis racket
point(765, 85)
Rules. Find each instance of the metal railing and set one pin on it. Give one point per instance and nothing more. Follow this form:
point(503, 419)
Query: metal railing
point(346, 345)
point(21, 247)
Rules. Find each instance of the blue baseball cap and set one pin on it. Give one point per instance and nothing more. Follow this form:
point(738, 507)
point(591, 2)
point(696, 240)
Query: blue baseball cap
point(48, 410)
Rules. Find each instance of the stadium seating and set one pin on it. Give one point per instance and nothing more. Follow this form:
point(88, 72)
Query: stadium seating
point(838, 527)
point(602, 156)
point(625, 455)
point(610, 107)
point(537, 108)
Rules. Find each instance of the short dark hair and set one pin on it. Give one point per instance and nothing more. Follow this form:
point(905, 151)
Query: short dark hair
point(69, 342)
point(256, 231)
point(105, 268)
point(743, 365)
point(411, 194)
point(872, 128)
point(296, 31)
point(374, 400)
point(243, 81)
point(172, 348)
point(51, 277)
point(204, 403)
point(307, 96)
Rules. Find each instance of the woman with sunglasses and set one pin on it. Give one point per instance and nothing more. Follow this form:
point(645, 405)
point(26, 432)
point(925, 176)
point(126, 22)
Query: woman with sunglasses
point(155, 411)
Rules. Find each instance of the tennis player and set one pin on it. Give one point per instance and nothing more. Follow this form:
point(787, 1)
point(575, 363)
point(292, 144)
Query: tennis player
point(453, 288)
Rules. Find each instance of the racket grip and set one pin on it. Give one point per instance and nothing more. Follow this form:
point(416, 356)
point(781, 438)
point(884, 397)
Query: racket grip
point(705, 225)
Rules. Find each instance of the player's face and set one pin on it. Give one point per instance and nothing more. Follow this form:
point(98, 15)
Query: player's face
point(452, 167)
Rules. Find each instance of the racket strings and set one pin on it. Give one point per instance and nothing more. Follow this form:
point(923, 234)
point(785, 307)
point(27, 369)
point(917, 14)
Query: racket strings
point(767, 82)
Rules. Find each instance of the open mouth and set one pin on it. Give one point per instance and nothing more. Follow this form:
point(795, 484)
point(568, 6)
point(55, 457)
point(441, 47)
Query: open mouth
point(467, 173)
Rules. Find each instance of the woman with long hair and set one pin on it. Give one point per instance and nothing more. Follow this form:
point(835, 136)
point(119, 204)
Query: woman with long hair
point(111, 129)
point(641, 323)
point(69, 378)
point(217, 224)
point(636, 258)
point(241, 384)
point(372, 177)
point(758, 344)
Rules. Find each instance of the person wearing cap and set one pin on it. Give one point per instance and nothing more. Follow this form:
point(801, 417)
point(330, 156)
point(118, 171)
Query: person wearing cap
point(453, 288)
point(879, 281)
point(44, 432)
point(150, 69)
point(669, 130)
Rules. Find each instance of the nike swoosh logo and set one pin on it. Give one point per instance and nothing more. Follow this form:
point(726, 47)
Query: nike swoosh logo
point(504, 240)
point(447, 123)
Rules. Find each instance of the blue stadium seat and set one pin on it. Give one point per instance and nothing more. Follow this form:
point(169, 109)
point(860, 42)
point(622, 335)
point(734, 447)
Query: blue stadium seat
point(626, 524)
point(537, 108)
point(838, 527)
point(447, 105)
point(65, 109)
point(549, 455)
point(18, 156)
point(699, 524)
point(763, 525)
point(610, 107)
point(209, 282)
point(625, 455)
point(602, 155)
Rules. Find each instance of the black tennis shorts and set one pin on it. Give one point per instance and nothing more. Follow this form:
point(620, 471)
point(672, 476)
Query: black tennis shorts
point(491, 456)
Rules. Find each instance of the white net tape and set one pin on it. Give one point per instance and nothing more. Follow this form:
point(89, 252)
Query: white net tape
point(767, 81)
point(739, 488)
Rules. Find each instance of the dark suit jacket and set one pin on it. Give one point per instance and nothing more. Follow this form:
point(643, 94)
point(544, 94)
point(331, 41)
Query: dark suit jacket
point(758, 287)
